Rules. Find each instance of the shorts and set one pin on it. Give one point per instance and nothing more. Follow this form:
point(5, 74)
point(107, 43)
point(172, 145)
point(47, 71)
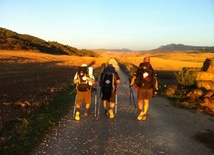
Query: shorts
point(145, 94)
point(109, 97)
point(84, 97)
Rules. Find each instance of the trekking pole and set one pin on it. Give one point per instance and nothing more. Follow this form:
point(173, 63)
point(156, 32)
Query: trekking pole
point(98, 106)
point(95, 102)
point(72, 91)
point(132, 94)
point(75, 102)
point(115, 104)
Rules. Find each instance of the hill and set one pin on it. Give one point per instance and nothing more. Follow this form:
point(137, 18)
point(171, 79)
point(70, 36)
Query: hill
point(181, 47)
point(116, 50)
point(10, 40)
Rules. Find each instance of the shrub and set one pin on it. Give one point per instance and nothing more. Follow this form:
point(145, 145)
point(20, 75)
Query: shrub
point(186, 77)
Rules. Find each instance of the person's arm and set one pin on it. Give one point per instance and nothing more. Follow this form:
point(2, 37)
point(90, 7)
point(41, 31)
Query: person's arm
point(91, 81)
point(156, 84)
point(132, 81)
point(117, 78)
point(76, 80)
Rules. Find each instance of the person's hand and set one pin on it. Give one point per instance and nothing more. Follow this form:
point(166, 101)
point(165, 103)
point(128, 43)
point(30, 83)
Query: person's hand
point(76, 81)
point(156, 91)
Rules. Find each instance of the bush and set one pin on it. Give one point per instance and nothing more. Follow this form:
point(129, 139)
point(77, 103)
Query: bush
point(186, 77)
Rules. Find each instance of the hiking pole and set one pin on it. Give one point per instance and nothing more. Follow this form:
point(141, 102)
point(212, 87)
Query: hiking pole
point(98, 106)
point(75, 102)
point(132, 94)
point(115, 104)
point(95, 102)
point(72, 91)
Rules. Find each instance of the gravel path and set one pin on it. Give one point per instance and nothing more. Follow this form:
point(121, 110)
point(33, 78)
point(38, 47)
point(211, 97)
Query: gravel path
point(168, 130)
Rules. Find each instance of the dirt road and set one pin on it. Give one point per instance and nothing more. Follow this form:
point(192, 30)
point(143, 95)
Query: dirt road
point(168, 130)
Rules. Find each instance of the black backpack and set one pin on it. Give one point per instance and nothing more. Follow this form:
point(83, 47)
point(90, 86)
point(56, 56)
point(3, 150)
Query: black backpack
point(145, 76)
point(108, 81)
point(82, 73)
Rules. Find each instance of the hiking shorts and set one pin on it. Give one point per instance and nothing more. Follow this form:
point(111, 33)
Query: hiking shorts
point(145, 94)
point(109, 97)
point(84, 97)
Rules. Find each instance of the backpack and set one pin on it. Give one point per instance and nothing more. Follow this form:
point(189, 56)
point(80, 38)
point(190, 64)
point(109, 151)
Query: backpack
point(108, 81)
point(82, 73)
point(145, 76)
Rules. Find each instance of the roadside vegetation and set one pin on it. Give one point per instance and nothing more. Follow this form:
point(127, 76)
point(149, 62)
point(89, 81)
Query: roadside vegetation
point(36, 89)
point(22, 134)
point(179, 84)
point(35, 95)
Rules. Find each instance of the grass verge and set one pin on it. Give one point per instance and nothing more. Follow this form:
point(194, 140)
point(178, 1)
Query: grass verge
point(22, 134)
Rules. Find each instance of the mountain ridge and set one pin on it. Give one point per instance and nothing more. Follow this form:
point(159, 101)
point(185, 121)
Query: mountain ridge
point(182, 47)
point(10, 40)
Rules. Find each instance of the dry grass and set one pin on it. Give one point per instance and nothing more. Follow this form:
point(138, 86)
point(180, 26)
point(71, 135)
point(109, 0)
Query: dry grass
point(166, 64)
point(60, 60)
point(171, 62)
point(31, 79)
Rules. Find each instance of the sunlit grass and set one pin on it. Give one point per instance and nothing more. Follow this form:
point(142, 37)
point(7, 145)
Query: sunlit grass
point(170, 62)
point(21, 67)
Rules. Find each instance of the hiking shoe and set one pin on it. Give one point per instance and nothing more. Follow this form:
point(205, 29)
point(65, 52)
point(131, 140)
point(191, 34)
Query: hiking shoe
point(140, 116)
point(144, 117)
point(77, 116)
point(111, 113)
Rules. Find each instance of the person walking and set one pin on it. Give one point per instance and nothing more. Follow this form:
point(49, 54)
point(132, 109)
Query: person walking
point(147, 83)
point(84, 83)
point(108, 83)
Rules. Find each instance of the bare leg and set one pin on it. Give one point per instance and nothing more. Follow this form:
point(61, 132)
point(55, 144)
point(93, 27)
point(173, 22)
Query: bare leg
point(140, 105)
point(105, 104)
point(87, 106)
point(112, 105)
point(142, 115)
point(111, 111)
point(105, 107)
point(77, 114)
point(145, 107)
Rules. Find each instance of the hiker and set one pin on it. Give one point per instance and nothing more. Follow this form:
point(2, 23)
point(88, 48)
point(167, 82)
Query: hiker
point(84, 83)
point(108, 83)
point(147, 83)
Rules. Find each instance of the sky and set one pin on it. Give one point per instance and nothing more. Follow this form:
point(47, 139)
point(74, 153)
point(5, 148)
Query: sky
point(112, 24)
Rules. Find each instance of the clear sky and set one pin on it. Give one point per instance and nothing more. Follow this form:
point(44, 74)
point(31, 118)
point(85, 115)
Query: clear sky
point(110, 24)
